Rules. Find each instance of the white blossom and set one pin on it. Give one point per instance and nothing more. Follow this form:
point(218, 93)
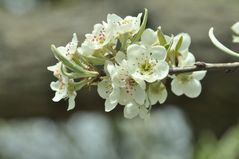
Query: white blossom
point(147, 62)
point(63, 86)
point(121, 26)
point(70, 49)
point(187, 83)
point(100, 37)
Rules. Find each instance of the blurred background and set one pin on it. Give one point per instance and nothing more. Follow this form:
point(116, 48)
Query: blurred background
point(33, 126)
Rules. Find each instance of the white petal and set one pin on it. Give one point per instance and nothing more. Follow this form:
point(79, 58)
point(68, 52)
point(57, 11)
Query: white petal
point(199, 75)
point(110, 67)
point(59, 95)
point(158, 53)
point(163, 96)
point(144, 113)
point(72, 46)
point(62, 50)
point(140, 82)
point(104, 88)
point(55, 86)
point(189, 60)
point(149, 37)
point(235, 39)
point(161, 70)
point(139, 95)
point(85, 49)
point(131, 110)
point(152, 95)
point(157, 92)
point(192, 88)
point(54, 67)
point(235, 28)
point(110, 105)
point(186, 41)
point(134, 52)
point(177, 86)
point(113, 18)
point(124, 97)
point(71, 102)
point(120, 56)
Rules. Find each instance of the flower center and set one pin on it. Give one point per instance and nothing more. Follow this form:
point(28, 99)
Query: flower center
point(185, 78)
point(146, 67)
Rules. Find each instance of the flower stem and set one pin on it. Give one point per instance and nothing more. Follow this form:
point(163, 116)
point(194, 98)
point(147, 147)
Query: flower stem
point(200, 66)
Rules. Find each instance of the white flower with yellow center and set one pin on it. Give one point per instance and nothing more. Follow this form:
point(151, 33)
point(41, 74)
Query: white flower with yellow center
point(99, 38)
point(121, 87)
point(187, 83)
point(70, 49)
point(235, 28)
point(147, 61)
point(64, 87)
point(121, 26)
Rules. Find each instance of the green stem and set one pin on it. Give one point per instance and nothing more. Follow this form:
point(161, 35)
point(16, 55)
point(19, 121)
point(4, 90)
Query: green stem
point(219, 45)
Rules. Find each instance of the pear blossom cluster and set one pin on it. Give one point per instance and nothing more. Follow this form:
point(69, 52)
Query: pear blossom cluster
point(129, 63)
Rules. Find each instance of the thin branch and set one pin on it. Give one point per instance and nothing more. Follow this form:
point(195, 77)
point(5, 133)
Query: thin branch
point(199, 66)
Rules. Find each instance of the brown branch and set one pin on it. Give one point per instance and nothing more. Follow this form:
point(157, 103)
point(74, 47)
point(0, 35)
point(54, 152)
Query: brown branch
point(199, 66)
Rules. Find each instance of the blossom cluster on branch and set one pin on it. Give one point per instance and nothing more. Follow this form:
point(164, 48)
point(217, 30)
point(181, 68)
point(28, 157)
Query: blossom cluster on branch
point(128, 63)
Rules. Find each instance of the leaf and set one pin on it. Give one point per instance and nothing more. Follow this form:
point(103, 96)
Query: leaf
point(72, 65)
point(161, 37)
point(179, 44)
point(142, 27)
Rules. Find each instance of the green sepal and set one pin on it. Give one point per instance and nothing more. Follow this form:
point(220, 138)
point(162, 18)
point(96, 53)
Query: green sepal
point(79, 85)
point(95, 60)
point(72, 65)
point(179, 44)
point(142, 27)
point(71, 75)
point(161, 37)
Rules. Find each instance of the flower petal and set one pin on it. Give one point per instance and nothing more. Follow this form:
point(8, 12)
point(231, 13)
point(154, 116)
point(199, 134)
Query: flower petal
point(235, 28)
point(139, 95)
point(110, 105)
point(189, 60)
point(131, 110)
point(71, 102)
point(161, 70)
point(177, 86)
point(149, 37)
point(192, 88)
point(199, 75)
point(158, 53)
point(120, 56)
point(59, 95)
point(144, 113)
point(104, 88)
point(157, 92)
point(134, 51)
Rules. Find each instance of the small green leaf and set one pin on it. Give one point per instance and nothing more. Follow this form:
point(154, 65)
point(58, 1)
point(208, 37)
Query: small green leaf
point(179, 44)
point(79, 85)
point(95, 60)
point(71, 64)
point(71, 75)
point(142, 27)
point(161, 37)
